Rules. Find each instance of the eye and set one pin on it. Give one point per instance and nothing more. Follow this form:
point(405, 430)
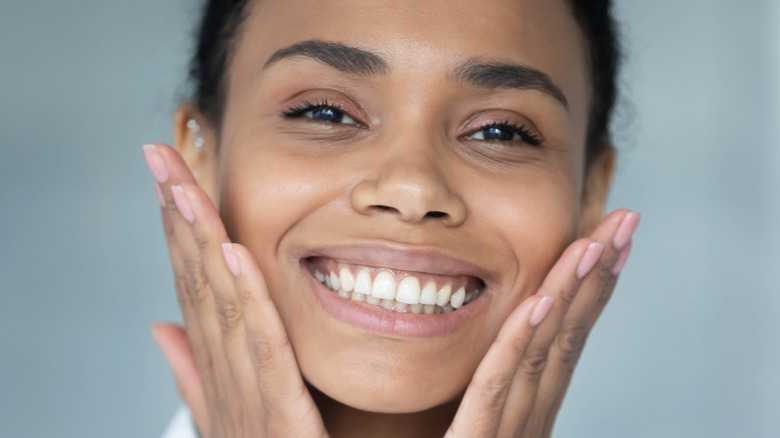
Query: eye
point(320, 112)
point(506, 132)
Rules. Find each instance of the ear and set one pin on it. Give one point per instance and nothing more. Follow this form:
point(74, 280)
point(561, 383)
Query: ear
point(202, 162)
point(594, 196)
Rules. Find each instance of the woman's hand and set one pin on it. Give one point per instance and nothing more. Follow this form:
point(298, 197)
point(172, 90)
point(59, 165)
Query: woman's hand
point(520, 384)
point(234, 367)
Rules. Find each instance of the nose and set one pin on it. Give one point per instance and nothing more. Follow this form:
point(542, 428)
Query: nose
point(410, 185)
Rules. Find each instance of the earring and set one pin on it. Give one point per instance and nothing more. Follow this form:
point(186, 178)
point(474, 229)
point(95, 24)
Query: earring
point(195, 129)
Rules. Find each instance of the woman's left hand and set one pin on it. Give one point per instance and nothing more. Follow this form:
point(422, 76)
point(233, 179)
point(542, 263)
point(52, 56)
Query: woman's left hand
point(519, 386)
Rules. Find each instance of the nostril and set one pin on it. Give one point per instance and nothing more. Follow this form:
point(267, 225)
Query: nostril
point(436, 214)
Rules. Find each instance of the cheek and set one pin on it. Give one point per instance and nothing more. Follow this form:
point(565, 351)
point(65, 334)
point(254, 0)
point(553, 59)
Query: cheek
point(533, 219)
point(264, 194)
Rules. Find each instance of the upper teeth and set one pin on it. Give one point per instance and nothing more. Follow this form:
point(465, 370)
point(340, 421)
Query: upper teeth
point(401, 296)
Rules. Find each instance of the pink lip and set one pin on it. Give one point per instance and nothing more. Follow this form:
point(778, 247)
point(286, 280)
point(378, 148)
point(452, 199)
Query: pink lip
point(403, 259)
point(404, 325)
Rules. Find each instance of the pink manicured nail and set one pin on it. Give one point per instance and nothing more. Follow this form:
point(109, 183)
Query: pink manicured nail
point(156, 163)
point(160, 196)
point(626, 230)
point(182, 203)
point(589, 259)
point(622, 259)
point(230, 258)
point(540, 311)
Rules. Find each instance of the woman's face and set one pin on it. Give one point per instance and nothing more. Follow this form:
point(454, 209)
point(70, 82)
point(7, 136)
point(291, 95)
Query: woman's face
point(439, 142)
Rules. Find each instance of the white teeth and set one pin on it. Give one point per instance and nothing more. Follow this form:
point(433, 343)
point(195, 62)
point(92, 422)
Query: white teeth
point(408, 290)
point(443, 296)
point(347, 280)
point(457, 298)
point(334, 281)
point(404, 296)
point(384, 286)
point(363, 282)
point(428, 294)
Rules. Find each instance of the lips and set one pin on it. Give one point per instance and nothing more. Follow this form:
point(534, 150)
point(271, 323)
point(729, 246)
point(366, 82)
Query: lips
point(396, 291)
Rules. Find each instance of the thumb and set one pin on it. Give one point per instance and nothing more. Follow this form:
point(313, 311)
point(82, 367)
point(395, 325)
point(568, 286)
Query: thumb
point(175, 346)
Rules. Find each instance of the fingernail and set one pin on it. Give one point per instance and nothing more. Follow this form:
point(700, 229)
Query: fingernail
point(160, 196)
point(589, 259)
point(626, 230)
point(156, 163)
point(182, 203)
point(622, 259)
point(540, 311)
point(230, 258)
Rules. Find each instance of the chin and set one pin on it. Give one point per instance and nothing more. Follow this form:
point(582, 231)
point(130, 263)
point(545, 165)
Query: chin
point(372, 391)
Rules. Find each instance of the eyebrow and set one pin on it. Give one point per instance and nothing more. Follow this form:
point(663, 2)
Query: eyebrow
point(490, 75)
point(339, 56)
point(501, 75)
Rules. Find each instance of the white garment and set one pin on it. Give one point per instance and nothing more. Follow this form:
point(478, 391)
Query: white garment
point(181, 426)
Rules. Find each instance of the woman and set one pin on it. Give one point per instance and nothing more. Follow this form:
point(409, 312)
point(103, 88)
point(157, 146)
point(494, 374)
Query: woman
point(413, 193)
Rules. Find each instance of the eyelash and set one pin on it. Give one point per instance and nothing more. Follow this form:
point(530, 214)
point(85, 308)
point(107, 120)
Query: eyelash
point(526, 135)
point(297, 111)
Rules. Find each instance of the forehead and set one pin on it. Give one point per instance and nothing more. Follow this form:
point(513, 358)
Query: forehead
point(419, 38)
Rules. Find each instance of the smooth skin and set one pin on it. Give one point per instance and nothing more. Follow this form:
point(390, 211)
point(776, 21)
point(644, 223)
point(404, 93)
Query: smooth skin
point(251, 360)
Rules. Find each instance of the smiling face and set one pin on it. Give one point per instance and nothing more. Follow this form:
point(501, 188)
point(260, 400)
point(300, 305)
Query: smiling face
point(405, 151)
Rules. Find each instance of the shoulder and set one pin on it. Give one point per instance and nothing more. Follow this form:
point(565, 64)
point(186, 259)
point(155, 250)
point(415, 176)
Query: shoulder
point(181, 425)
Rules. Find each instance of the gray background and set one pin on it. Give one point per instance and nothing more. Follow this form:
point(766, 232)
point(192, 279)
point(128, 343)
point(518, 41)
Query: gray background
point(687, 348)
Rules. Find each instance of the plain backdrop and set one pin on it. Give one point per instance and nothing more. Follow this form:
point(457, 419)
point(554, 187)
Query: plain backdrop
point(688, 346)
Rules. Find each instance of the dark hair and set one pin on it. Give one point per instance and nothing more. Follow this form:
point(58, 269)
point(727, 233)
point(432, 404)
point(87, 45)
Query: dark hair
point(221, 25)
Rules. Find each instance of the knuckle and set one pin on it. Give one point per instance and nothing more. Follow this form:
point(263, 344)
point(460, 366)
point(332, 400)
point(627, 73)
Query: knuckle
point(180, 284)
point(533, 365)
point(569, 344)
point(198, 285)
point(567, 296)
point(264, 350)
point(230, 315)
point(201, 242)
point(170, 206)
point(494, 390)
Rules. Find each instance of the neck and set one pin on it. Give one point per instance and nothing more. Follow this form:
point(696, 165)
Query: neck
point(343, 421)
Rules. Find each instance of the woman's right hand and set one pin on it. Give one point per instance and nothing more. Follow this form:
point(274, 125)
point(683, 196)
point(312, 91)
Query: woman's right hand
point(234, 366)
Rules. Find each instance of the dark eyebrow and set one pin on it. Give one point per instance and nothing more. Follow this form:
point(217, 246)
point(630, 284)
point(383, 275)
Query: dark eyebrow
point(500, 75)
point(339, 56)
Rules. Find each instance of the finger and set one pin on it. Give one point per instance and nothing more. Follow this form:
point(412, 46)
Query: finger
point(210, 236)
point(614, 232)
point(173, 342)
point(481, 409)
point(278, 374)
point(194, 289)
point(562, 283)
point(169, 213)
